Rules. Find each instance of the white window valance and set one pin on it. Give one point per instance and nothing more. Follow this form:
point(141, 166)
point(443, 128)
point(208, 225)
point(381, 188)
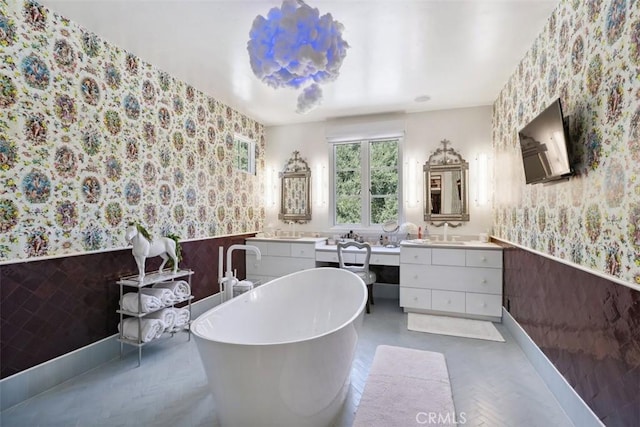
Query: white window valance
point(363, 128)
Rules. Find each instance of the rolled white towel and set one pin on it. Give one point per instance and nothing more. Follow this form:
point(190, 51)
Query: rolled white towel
point(182, 317)
point(166, 315)
point(165, 295)
point(129, 302)
point(149, 328)
point(180, 288)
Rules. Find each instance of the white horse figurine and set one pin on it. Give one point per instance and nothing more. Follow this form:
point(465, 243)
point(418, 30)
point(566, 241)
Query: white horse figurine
point(144, 248)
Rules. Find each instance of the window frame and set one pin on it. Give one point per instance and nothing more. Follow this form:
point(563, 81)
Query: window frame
point(365, 181)
point(251, 157)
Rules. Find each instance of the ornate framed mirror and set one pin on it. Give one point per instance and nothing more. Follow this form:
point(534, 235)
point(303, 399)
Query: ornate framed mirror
point(295, 190)
point(446, 183)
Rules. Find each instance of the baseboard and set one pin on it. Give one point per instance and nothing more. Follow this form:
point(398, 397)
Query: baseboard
point(33, 381)
point(572, 404)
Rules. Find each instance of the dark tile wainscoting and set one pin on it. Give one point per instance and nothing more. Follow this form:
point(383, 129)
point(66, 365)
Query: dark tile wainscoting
point(51, 307)
point(587, 326)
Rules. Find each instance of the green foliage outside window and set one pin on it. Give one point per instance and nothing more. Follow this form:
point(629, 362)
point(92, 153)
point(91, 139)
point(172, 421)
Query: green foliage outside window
point(242, 155)
point(348, 183)
point(384, 180)
point(381, 180)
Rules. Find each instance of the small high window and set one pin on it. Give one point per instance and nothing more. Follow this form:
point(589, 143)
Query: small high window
point(244, 154)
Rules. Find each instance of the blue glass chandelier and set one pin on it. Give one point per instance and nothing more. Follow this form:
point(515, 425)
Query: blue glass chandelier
point(296, 47)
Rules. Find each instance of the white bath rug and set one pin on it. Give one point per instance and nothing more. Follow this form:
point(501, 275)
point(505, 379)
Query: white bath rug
point(406, 387)
point(442, 325)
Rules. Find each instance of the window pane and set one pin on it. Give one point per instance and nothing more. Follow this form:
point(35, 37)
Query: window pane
point(348, 183)
point(383, 160)
point(384, 154)
point(348, 210)
point(384, 182)
point(383, 209)
point(347, 157)
point(366, 182)
point(242, 155)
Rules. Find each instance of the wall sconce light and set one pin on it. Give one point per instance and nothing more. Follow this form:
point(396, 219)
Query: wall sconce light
point(412, 180)
point(482, 179)
point(321, 185)
point(270, 192)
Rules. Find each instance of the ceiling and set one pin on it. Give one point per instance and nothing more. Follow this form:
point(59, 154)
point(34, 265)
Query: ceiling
point(458, 53)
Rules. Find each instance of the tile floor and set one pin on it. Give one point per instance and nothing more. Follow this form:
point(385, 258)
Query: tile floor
point(493, 384)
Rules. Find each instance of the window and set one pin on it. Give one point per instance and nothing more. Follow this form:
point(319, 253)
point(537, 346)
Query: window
point(366, 183)
point(244, 154)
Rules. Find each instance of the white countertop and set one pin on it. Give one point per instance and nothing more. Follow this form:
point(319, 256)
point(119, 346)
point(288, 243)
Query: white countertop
point(320, 243)
point(374, 249)
point(469, 244)
point(290, 239)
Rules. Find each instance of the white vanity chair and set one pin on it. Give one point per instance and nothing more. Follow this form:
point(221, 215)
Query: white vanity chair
point(362, 270)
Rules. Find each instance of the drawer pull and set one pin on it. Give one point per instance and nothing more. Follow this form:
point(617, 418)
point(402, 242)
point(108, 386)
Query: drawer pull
point(415, 257)
point(483, 259)
point(484, 304)
point(448, 301)
point(484, 281)
point(415, 298)
point(415, 277)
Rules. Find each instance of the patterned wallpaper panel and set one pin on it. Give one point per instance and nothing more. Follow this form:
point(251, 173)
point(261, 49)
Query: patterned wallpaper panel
point(92, 137)
point(589, 56)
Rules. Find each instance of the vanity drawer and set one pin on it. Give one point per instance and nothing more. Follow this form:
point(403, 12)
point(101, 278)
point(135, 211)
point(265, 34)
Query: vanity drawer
point(415, 255)
point(332, 256)
point(448, 301)
point(415, 298)
point(263, 246)
point(275, 266)
point(326, 256)
point(414, 275)
point(484, 258)
point(484, 304)
point(384, 259)
point(448, 257)
point(278, 249)
point(463, 279)
point(303, 250)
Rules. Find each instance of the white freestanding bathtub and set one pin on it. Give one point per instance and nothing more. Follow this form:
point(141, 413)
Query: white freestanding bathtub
point(281, 354)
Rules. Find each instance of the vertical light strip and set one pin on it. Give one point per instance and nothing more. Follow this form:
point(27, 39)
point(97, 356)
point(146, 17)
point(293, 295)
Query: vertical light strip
point(321, 184)
point(411, 182)
point(270, 188)
point(482, 195)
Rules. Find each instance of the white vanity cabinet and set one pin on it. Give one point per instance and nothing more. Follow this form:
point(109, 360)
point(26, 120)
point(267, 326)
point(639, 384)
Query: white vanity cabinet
point(461, 281)
point(280, 257)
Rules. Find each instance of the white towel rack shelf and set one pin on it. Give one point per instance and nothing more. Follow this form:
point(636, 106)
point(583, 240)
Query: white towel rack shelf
point(151, 279)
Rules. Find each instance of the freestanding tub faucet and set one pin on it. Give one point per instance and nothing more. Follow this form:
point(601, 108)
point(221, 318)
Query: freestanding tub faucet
point(229, 280)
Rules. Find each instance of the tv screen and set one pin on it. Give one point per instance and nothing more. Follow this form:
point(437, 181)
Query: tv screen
point(544, 145)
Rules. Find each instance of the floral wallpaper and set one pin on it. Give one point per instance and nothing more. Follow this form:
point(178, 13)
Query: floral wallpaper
point(588, 55)
point(92, 137)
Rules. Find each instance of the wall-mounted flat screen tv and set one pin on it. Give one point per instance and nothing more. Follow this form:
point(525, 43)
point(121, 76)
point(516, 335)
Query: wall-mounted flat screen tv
point(545, 146)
